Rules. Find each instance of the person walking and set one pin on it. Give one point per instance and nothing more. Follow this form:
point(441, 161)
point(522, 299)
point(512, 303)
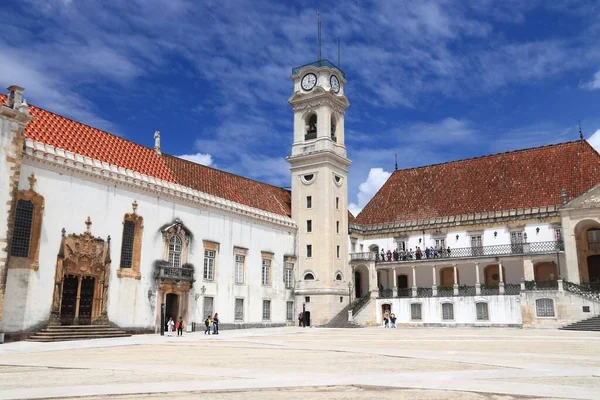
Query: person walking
point(208, 324)
point(180, 327)
point(393, 321)
point(216, 324)
point(170, 325)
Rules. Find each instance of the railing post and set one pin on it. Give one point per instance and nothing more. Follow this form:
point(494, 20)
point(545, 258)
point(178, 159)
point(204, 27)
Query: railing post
point(501, 288)
point(350, 316)
point(477, 281)
point(522, 284)
point(434, 286)
point(560, 285)
point(455, 280)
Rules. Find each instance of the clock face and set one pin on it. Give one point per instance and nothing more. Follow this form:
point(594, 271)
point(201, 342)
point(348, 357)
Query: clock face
point(309, 81)
point(335, 83)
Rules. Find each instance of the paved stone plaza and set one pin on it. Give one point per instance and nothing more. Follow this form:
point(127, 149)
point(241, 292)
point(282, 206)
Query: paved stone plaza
point(295, 363)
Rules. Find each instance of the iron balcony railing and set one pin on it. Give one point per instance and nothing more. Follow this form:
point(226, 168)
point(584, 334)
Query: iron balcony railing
point(163, 270)
point(448, 291)
point(463, 252)
point(320, 63)
point(591, 291)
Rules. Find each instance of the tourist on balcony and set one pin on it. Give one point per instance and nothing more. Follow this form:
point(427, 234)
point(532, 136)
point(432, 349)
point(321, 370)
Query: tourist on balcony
point(389, 255)
point(418, 253)
point(180, 327)
point(434, 252)
point(427, 252)
point(448, 252)
point(170, 325)
point(382, 255)
point(215, 321)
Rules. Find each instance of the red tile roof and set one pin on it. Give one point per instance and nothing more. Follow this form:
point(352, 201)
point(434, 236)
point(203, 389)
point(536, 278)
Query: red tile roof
point(64, 133)
point(513, 180)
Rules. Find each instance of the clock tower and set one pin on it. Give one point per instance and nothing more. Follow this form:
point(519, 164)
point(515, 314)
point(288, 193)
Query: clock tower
point(319, 169)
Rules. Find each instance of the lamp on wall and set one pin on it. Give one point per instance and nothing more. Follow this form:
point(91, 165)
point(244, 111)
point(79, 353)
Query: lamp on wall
point(537, 230)
point(456, 237)
point(495, 233)
point(197, 295)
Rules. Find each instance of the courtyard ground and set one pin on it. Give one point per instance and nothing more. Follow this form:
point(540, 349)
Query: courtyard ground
point(315, 363)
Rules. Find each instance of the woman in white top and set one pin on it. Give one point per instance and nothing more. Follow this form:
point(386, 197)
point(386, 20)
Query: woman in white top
point(170, 325)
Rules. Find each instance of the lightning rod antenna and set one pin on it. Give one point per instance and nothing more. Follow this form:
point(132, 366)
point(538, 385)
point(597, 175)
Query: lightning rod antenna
point(339, 52)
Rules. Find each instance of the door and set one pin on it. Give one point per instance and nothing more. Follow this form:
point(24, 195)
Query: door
point(171, 307)
point(69, 297)
point(594, 268)
point(357, 288)
point(402, 281)
point(87, 299)
point(307, 318)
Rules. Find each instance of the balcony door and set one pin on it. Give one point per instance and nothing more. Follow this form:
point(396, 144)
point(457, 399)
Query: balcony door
point(516, 242)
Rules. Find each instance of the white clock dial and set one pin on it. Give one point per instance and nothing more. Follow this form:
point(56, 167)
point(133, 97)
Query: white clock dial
point(335, 83)
point(309, 81)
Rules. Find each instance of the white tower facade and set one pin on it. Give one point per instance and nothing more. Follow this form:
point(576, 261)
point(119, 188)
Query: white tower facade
point(319, 169)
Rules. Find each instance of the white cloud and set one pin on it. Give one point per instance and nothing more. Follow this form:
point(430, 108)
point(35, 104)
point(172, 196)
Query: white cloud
point(366, 190)
point(594, 84)
point(594, 140)
point(198, 158)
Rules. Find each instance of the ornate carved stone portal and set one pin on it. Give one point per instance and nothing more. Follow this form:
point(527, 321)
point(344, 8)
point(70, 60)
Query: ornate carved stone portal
point(81, 280)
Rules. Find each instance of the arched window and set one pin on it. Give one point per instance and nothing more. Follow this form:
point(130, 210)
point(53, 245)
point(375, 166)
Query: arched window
point(127, 244)
point(333, 128)
point(311, 127)
point(338, 276)
point(131, 245)
point(175, 252)
point(309, 276)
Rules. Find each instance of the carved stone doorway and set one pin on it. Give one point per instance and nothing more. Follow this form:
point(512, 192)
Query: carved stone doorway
point(81, 280)
point(172, 307)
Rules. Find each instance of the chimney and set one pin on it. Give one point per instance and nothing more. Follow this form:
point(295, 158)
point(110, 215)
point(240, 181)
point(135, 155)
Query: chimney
point(157, 142)
point(563, 195)
point(15, 97)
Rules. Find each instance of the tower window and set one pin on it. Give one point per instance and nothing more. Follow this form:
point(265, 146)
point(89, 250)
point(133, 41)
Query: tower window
point(337, 203)
point(308, 201)
point(309, 250)
point(338, 251)
point(337, 226)
point(333, 129)
point(309, 226)
point(311, 127)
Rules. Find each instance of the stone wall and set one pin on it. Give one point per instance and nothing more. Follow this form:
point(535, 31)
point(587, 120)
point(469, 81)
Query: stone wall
point(568, 308)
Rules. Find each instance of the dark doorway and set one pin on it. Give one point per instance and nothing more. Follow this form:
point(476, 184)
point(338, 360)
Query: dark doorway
point(87, 299)
point(307, 318)
point(69, 297)
point(594, 268)
point(402, 281)
point(386, 307)
point(357, 288)
point(171, 307)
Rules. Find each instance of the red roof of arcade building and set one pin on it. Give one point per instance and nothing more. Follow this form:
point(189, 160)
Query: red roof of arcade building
point(73, 136)
point(507, 181)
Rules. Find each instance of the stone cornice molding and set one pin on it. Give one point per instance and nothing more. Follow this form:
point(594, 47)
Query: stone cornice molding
point(337, 106)
point(104, 170)
point(457, 221)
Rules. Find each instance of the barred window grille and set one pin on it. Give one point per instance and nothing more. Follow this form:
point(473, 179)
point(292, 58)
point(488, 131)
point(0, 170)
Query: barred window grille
point(266, 272)
point(267, 309)
point(239, 268)
point(127, 244)
point(544, 307)
point(175, 252)
point(482, 311)
point(415, 311)
point(239, 309)
point(208, 306)
point(209, 265)
point(289, 275)
point(22, 231)
point(290, 311)
point(447, 311)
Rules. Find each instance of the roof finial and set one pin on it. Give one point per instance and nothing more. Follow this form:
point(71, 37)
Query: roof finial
point(88, 222)
point(396, 165)
point(157, 142)
point(32, 181)
point(580, 131)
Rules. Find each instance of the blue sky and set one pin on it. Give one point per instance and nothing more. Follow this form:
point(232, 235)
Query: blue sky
point(432, 81)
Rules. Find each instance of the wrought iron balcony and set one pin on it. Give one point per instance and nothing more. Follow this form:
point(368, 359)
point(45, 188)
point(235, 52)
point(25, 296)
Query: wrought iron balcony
point(163, 270)
point(464, 252)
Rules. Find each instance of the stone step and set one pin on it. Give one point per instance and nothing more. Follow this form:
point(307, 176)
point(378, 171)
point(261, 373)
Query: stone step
point(35, 338)
point(76, 332)
point(49, 334)
point(590, 324)
point(79, 327)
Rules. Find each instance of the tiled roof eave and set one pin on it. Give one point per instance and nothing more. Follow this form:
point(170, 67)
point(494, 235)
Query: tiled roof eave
point(492, 217)
point(63, 158)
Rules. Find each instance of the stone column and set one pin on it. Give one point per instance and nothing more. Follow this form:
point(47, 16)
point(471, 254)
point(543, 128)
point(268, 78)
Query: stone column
point(434, 280)
point(394, 281)
point(77, 300)
point(477, 281)
point(501, 284)
point(455, 279)
point(373, 280)
point(528, 272)
point(414, 282)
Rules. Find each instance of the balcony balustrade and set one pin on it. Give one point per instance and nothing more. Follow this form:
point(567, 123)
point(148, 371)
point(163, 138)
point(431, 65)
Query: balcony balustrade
point(464, 252)
point(163, 270)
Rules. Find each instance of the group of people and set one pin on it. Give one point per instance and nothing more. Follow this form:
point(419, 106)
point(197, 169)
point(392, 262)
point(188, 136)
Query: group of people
point(389, 320)
point(212, 323)
point(418, 254)
point(177, 325)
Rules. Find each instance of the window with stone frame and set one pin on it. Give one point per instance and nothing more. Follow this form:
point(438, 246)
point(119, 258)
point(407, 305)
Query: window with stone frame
point(308, 201)
point(127, 244)
point(558, 234)
point(481, 309)
point(131, 245)
point(288, 275)
point(415, 311)
point(440, 243)
point(239, 309)
point(266, 310)
point(26, 227)
point(209, 265)
point(289, 311)
point(544, 307)
point(309, 250)
point(266, 272)
point(240, 261)
point(175, 249)
point(447, 311)
point(208, 306)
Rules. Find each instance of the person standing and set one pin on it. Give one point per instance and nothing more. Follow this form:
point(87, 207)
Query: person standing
point(300, 319)
point(392, 321)
point(216, 324)
point(180, 327)
point(208, 324)
point(170, 325)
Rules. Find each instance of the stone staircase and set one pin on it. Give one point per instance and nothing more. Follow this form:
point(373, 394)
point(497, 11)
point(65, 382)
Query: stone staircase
point(341, 320)
point(76, 332)
point(590, 324)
